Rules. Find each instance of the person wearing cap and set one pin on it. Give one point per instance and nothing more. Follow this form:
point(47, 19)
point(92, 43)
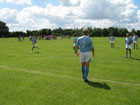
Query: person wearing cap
point(112, 38)
point(128, 44)
point(135, 39)
point(85, 44)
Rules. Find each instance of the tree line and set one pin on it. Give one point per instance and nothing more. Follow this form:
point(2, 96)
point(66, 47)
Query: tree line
point(97, 32)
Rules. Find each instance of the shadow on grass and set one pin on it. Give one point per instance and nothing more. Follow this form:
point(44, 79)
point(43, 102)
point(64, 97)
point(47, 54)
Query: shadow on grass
point(99, 85)
point(36, 52)
point(136, 58)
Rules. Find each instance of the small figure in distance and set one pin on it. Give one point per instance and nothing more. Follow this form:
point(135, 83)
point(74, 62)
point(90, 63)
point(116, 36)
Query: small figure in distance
point(34, 41)
point(128, 44)
point(30, 38)
point(135, 39)
point(112, 38)
point(23, 37)
point(74, 42)
point(19, 38)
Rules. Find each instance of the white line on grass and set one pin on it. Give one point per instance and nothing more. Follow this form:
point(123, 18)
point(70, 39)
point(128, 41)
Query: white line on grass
point(42, 73)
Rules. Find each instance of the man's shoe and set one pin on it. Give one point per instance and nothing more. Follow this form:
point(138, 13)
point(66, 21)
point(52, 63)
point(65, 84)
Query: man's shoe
point(86, 80)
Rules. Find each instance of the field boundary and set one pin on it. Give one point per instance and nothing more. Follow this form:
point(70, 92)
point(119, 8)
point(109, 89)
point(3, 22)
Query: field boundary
point(52, 74)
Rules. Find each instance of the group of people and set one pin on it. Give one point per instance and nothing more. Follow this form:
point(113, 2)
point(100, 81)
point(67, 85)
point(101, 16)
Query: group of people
point(85, 44)
point(128, 42)
point(65, 36)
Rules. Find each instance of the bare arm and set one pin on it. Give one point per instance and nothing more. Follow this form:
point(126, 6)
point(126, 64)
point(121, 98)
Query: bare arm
point(77, 51)
point(92, 50)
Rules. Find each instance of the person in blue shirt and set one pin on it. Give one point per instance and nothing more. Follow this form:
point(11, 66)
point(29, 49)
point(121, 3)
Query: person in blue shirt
point(74, 43)
point(112, 38)
point(34, 41)
point(128, 44)
point(135, 39)
point(85, 44)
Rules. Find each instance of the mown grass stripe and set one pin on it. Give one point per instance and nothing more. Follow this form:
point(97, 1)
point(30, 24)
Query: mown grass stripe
point(66, 76)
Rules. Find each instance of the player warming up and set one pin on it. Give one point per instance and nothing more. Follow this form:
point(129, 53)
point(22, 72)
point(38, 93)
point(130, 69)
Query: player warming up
point(85, 44)
point(34, 41)
point(128, 44)
point(112, 38)
point(135, 39)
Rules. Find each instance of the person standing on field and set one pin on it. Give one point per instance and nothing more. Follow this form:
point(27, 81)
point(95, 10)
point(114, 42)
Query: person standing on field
point(135, 39)
point(128, 44)
point(74, 43)
point(23, 37)
point(112, 38)
point(85, 44)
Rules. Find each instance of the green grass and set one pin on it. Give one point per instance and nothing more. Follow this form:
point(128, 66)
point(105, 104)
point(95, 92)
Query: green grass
point(52, 75)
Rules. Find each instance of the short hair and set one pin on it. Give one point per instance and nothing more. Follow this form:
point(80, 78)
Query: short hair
point(85, 31)
point(127, 34)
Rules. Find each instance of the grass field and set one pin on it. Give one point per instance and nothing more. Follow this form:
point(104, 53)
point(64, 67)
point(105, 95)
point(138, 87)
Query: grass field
point(52, 75)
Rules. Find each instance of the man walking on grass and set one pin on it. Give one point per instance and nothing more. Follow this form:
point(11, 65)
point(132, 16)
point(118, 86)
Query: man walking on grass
point(85, 44)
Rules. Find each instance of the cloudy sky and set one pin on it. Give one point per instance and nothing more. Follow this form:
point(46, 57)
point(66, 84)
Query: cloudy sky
point(22, 15)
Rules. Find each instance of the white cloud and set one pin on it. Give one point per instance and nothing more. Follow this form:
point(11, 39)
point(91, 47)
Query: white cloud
point(19, 1)
point(75, 2)
point(106, 9)
point(79, 23)
point(70, 2)
point(138, 14)
point(1, 0)
point(8, 15)
point(65, 2)
point(118, 12)
point(75, 14)
point(33, 18)
point(137, 24)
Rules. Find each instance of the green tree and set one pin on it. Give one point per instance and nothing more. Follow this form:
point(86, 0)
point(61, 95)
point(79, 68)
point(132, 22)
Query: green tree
point(4, 30)
point(133, 31)
point(114, 31)
point(123, 32)
point(138, 32)
point(97, 32)
point(105, 32)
